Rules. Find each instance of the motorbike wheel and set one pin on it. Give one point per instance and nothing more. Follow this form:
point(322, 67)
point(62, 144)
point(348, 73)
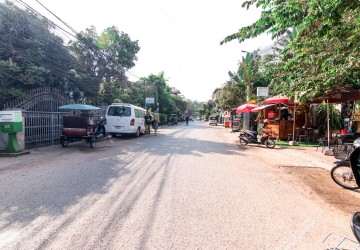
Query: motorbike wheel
point(270, 143)
point(64, 142)
point(243, 141)
point(342, 175)
point(92, 141)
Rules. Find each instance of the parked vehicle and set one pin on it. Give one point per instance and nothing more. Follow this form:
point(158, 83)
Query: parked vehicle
point(81, 126)
point(172, 120)
point(247, 136)
point(343, 242)
point(345, 173)
point(125, 119)
point(213, 120)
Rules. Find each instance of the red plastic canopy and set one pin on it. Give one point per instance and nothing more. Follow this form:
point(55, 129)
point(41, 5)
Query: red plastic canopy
point(262, 107)
point(277, 99)
point(246, 108)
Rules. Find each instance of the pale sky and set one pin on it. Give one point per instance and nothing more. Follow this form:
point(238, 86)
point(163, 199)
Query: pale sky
point(180, 38)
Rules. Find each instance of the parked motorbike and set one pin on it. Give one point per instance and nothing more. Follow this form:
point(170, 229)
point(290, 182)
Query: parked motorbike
point(99, 129)
point(247, 136)
point(346, 172)
point(343, 242)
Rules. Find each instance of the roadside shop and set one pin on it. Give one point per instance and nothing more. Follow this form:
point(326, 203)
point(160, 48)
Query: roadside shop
point(283, 116)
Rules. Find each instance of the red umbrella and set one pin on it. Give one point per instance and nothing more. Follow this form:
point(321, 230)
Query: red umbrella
point(245, 108)
point(277, 99)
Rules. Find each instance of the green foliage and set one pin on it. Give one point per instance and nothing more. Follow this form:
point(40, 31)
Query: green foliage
point(324, 51)
point(102, 59)
point(163, 118)
point(336, 119)
point(231, 95)
point(31, 55)
point(92, 68)
point(205, 109)
point(243, 83)
point(154, 86)
point(118, 46)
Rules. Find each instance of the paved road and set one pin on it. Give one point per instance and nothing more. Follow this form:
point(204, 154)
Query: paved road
point(189, 187)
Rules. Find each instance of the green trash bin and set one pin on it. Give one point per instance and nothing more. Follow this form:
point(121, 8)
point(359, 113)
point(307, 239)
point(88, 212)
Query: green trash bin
point(11, 123)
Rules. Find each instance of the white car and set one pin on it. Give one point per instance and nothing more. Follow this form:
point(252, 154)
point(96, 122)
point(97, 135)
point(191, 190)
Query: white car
point(212, 121)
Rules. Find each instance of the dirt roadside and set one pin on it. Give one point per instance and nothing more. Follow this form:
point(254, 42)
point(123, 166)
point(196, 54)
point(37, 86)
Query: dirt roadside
point(309, 168)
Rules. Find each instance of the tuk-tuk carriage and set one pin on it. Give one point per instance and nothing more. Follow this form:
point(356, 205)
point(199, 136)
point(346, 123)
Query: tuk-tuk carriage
point(79, 127)
point(172, 120)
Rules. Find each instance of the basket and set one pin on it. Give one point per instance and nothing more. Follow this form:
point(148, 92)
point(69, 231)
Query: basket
point(342, 151)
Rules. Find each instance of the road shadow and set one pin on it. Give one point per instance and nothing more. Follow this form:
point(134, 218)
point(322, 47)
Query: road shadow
point(64, 179)
point(28, 191)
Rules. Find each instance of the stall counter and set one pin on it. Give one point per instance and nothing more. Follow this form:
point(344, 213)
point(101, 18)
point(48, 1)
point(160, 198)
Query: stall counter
point(281, 128)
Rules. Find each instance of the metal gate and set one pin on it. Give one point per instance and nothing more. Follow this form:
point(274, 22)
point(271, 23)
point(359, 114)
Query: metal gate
point(42, 119)
point(42, 128)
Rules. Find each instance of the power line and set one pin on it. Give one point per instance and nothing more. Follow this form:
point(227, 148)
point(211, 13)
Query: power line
point(40, 16)
point(73, 33)
point(79, 36)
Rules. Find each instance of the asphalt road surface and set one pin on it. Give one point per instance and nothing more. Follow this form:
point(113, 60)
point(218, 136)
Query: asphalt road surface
point(189, 187)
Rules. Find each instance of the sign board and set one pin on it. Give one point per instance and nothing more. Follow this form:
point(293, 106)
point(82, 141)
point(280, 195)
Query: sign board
point(10, 116)
point(149, 100)
point(262, 91)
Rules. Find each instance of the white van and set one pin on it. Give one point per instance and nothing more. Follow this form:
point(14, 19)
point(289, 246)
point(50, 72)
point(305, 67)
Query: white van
point(125, 119)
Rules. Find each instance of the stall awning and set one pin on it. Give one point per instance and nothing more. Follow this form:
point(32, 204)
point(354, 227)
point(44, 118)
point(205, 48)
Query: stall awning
point(262, 107)
point(339, 95)
point(277, 99)
point(246, 108)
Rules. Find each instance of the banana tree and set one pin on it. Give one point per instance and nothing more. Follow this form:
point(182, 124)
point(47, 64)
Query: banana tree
point(247, 72)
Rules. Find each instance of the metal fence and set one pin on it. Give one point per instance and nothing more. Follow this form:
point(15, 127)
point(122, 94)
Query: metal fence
point(42, 118)
point(42, 128)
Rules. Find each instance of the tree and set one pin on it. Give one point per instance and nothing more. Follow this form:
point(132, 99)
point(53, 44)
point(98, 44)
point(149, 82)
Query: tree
point(31, 55)
point(323, 54)
point(206, 109)
point(246, 73)
point(102, 62)
point(154, 85)
point(231, 95)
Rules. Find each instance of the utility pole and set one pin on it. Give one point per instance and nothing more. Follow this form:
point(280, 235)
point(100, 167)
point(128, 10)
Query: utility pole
point(156, 97)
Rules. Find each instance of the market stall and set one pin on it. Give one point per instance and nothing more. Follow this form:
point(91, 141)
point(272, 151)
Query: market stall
point(339, 95)
point(278, 110)
point(245, 109)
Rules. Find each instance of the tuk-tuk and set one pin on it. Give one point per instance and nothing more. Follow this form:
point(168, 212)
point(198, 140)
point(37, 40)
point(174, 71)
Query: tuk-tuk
point(213, 120)
point(81, 126)
point(172, 120)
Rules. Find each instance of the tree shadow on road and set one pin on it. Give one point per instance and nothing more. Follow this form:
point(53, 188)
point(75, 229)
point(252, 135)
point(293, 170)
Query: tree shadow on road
point(30, 191)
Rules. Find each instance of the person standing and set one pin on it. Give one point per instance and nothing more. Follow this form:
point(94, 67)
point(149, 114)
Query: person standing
point(155, 123)
point(187, 120)
point(148, 120)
